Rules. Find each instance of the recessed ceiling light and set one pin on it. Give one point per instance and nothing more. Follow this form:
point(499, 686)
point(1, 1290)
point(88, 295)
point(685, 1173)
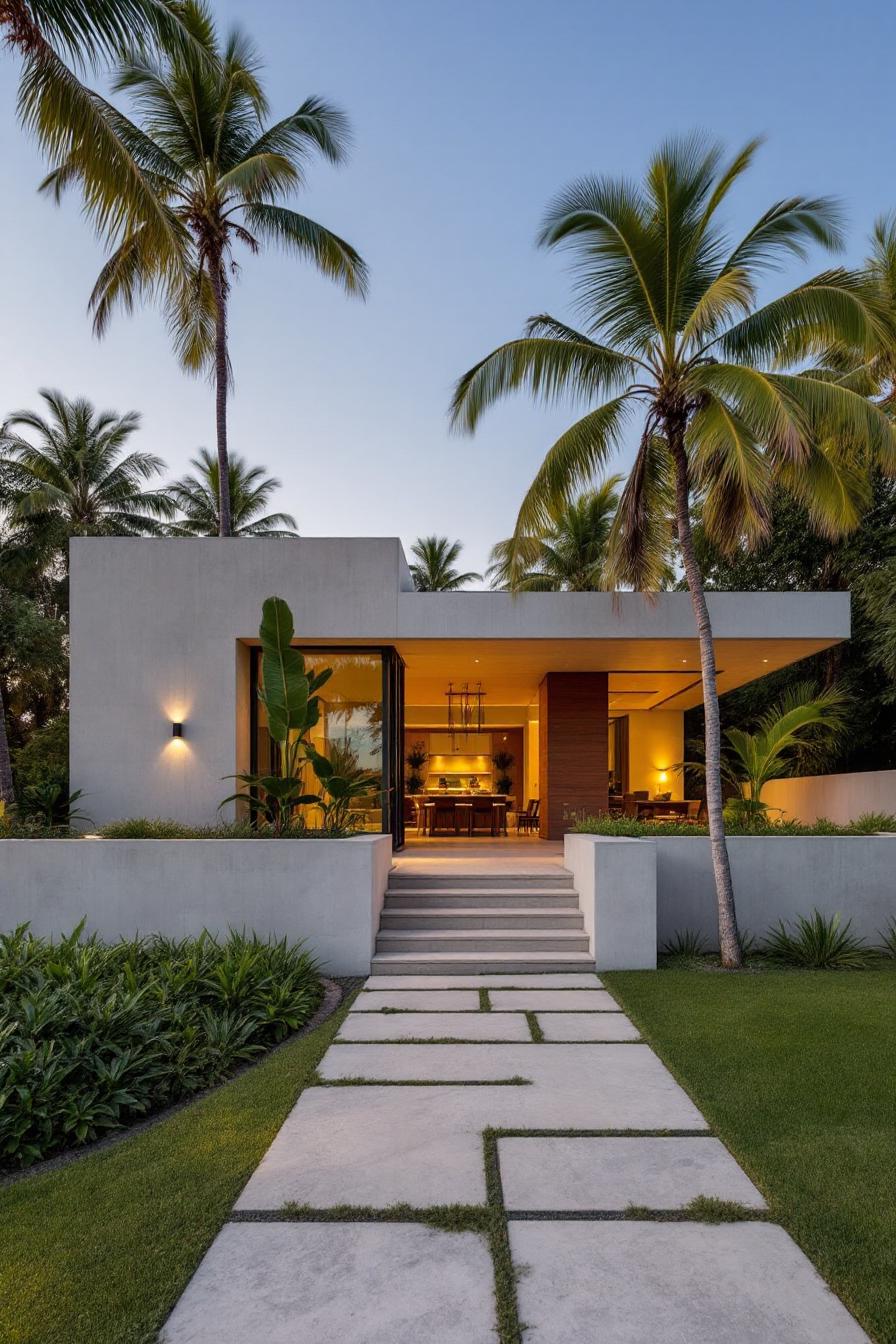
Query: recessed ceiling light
point(684, 660)
point(765, 660)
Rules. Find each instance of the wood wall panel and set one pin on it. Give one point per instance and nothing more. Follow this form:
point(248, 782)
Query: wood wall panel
point(573, 748)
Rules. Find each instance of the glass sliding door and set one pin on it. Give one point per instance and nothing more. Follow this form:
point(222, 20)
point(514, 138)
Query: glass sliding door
point(361, 712)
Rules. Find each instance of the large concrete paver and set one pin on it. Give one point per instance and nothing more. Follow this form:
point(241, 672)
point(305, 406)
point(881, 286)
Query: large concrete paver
point(554, 1000)
point(628, 1282)
point(607, 1174)
point(560, 1027)
point(418, 1001)
point(298, 1283)
point(458, 1026)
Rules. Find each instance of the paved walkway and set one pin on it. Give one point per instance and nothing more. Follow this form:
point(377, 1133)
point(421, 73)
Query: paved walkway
point(529, 1101)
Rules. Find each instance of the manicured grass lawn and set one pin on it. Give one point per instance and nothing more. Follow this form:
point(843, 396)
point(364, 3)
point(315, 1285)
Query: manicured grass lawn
point(795, 1072)
point(99, 1251)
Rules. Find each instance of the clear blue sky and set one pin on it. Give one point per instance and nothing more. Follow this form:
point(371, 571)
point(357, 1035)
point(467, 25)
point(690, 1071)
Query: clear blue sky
point(468, 116)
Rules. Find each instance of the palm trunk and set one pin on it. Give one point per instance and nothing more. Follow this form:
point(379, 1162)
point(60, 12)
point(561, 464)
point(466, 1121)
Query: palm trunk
point(221, 371)
point(7, 795)
point(729, 939)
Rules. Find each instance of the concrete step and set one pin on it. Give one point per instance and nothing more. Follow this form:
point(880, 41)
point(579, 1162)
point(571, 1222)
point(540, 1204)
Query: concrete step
point(480, 898)
point(482, 941)
point(491, 963)
point(487, 878)
point(460, 917)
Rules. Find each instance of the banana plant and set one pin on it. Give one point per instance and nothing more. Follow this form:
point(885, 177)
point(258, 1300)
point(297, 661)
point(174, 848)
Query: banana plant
point(289, 694)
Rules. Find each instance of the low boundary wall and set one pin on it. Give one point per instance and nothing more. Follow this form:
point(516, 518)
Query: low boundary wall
point(840, 798)
point(637, 894)
point(327, 892)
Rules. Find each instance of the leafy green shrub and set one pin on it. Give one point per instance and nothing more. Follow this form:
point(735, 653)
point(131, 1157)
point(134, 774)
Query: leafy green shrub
point(44, 758)
point(887, 936)
point(867, 824)
point(817, 943)
point(164, 828)
point(871, 822)
point(686, 945)
point(94, 1036)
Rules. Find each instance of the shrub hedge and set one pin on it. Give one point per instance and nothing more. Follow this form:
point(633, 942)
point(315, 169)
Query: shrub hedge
point(869, 823)
point(94, 1036)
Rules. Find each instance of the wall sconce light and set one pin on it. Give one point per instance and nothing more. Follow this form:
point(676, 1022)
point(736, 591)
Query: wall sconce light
point(663, 777)
point(177, 730)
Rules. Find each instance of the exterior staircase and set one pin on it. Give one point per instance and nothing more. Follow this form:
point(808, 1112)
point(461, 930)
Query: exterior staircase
point(449, 925)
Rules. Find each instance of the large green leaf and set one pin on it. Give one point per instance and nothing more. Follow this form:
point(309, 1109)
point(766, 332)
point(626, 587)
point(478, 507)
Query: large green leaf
point(284, 690)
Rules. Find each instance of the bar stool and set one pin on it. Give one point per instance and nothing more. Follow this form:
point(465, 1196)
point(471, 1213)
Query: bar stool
point(499, 818)
point(443, 814)
point(463, 816)
point(426, 815)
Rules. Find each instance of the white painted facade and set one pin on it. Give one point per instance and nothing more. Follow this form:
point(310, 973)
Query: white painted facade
point(161, 629)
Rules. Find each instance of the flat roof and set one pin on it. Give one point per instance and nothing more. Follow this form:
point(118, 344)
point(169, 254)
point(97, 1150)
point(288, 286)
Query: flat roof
point(357, 591)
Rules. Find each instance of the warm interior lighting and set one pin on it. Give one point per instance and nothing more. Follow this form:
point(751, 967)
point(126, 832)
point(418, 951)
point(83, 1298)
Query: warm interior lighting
point(177, 730)
point(663, 777)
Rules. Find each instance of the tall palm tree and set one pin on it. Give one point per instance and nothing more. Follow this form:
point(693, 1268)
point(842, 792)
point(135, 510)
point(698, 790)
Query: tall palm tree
point(673, 340)
point(75, 477)
point(53, 38)
point(197, 497)
point(570, 554)
point(433, 570)
point(219, 175)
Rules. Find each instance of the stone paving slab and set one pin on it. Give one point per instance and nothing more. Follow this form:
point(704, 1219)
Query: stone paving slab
point(335, 1283)
point(585, 1027)
point(551, 1000)
point(461, 1026)
point(608, 1174)
point(608, 1086)
point(378, 1146)
point(628, 1282)
point(527, 980)
point(420, 1000)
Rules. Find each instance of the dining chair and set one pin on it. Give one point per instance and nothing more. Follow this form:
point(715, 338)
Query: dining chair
point(525, 820)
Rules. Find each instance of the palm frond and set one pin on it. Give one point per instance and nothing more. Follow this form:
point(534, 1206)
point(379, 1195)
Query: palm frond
point(332, 256)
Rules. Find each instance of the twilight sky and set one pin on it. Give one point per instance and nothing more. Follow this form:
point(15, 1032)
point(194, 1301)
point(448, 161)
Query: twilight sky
point(468, 115)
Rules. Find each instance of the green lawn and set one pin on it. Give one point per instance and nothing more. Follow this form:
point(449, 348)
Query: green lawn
point(795, 1072)
point(99, 1251)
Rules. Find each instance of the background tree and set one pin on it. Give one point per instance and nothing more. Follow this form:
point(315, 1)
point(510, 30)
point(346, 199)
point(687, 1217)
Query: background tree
point(795, 558)
point(672, 334)
point(74, 476)
point(571, 552)
point(196, 498)
point(219, 175)
point(433, 568)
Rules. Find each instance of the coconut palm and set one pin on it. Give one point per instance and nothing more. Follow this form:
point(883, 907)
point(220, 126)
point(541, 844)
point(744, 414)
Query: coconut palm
point(220, 176)
point(196, 498)
point(53, 38)
point(569, 555)
point(434, 570)
point(673, 342)
point(74, 475)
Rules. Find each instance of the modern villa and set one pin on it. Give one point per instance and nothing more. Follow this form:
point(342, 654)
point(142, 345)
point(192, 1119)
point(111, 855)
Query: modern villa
point(585, 691)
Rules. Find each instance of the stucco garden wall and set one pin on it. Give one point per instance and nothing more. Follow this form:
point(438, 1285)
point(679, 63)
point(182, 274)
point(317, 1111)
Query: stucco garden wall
point(636, 894)
point(327, 892)
point(840, 798)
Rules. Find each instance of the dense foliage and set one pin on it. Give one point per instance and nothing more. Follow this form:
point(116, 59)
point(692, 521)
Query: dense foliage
point(869, 823)
point(795, 558)
point(95, 1036)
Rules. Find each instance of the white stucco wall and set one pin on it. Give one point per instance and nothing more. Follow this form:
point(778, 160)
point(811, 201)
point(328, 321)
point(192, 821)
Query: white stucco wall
point(777, 877)
point(157, 625)
point(840, 798)
point(616, 881)
point(327, 892)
